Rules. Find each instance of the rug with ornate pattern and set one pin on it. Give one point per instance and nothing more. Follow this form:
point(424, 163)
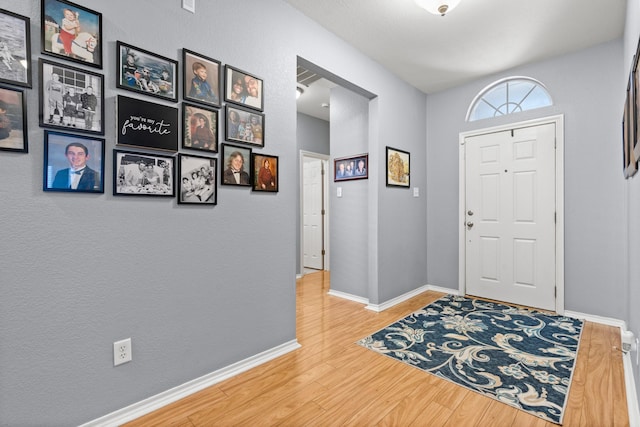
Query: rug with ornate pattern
point(522, 357)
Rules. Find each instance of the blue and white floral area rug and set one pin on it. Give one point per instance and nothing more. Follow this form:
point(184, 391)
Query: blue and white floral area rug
point(522, 357)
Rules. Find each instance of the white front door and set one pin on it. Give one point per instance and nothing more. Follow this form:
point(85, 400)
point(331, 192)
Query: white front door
point(312, 214)
point(510, 216)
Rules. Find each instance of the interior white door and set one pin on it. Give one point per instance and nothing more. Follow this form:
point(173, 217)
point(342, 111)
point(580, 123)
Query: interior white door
point(510, 216)
point(312, 213)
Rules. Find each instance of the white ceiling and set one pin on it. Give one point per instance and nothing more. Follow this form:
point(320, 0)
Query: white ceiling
point(477, 38)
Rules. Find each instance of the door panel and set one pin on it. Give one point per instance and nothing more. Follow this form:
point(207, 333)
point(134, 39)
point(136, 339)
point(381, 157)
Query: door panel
point(510, 216)
point(312, 214)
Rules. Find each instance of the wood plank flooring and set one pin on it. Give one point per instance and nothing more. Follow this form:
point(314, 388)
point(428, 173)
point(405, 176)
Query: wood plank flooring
point(331, 381)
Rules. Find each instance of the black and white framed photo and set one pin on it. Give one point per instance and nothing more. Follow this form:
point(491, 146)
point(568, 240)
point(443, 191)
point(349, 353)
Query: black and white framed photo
point(235, 169)
point(146, 124)
point(197, 180)
point(15, 49)
point(244, 126)
point(145, 72)
point(398, 168)
point(143, 174)
point(71, 32)
point(71, 98)
point(199, 128)
point(264, 172)
point(201, 76)
point(243, 88)
point(13, 120)
point(73, 163)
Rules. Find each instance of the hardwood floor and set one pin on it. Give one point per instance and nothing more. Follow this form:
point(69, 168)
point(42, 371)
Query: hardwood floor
point(331, 381)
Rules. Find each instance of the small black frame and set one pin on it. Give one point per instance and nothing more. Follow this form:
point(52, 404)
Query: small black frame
point(15, 49)
point(143, 174)
point(14, 135)
point(197, 180)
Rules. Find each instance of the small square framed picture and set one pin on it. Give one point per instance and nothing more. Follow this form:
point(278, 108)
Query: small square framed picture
point(73, 163)
point(71, 98)
point(197, 180)
point(235, 169)
point(398, 168)
point(201, 78)
point(143, 174)
point(15, 49)
point(199, 128)
point(245, 126)
point(71, 32)
point(145, 72)
point(13, 120)
point(243, 88)
point(265, 172)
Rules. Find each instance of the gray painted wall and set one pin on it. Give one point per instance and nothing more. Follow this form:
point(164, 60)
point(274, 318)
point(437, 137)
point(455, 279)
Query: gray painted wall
point(197, 288)
point(349, 213)
point(632, 208)
point(586, 88)
point(312, 135)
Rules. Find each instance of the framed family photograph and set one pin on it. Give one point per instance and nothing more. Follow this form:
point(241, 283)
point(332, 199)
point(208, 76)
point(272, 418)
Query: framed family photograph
point(72, 32)
point(235, 169)
point(146, 124)
point(13, 120)
point(635, 84)
point(201, 78)
point(348, 168)
point(15, 49)
point(141, 174)
point(144, 72)
point(197, 178)
point(264, 172)
point(243, 88)
point(199, 128)
point(398, 168)
point(71, 98)
point(73, 163)
point(244, 126)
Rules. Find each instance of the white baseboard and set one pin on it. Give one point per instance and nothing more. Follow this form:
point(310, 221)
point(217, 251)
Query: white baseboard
point(397, 300)
point(153, 403)
point(350, 297)
point(598, 319)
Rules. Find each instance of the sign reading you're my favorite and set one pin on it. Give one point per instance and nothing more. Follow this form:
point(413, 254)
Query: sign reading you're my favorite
point(147, 124)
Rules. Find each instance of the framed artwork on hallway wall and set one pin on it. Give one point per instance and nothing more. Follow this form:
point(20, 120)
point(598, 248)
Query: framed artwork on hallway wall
point(243, 88)
point(199, 128)
point(197, 180)
point(13, 120)
point(245, 126)
point(635, 88)
point(15, 49)
point(201, 77)
point(236, 166)
point(629, 160)
point(398, 168)
point(143, 174)
point(71, 32)
point(264, 172)
point(350, 168)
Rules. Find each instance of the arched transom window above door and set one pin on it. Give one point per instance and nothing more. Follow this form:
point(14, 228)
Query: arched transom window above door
point(508, 96)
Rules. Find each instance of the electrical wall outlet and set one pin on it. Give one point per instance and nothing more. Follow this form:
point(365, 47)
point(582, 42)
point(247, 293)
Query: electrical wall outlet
point(121, 352)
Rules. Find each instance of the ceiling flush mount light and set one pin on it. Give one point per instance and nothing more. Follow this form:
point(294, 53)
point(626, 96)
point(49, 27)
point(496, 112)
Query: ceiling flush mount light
point(299, 91)
point(438, 7)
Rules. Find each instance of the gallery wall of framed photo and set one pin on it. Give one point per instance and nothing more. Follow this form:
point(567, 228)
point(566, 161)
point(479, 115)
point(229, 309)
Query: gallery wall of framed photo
point(159, 137)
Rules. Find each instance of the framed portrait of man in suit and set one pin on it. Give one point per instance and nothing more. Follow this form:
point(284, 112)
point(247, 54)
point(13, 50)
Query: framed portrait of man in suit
point(73, 163)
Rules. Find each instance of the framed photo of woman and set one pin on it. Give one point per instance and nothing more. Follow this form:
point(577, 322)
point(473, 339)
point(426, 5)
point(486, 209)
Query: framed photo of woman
point(199, 128)
point(243, 88)
point(265, 172)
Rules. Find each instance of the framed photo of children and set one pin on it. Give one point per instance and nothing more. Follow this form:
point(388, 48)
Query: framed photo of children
point(243, 88)
point(348, 168)
point(264, 172)
point(235, 169)
point(244, 126)
point(73, 163)
point(140, 174)
point(201, 78)
point(13, 120)
point(144, 72)
point(71, 98)
point(15, 49)
point(398, 168)
point(72, 32)
point(197, 176)
point(199, 128)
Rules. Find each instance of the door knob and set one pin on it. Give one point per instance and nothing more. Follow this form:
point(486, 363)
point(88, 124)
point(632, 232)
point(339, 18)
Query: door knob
point(469, 224)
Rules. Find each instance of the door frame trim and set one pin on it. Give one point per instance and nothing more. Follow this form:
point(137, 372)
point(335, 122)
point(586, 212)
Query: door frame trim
point(558, 120)
point(325, 195)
